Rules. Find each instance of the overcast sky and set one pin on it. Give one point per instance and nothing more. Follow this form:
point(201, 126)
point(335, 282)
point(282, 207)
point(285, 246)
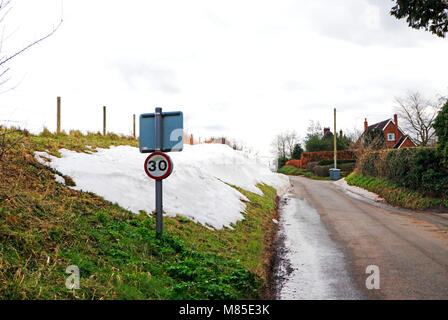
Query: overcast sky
point(244, 69)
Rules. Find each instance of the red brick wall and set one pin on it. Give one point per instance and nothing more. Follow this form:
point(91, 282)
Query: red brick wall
point(321, 155)
point(407, 144)
point(390, 128)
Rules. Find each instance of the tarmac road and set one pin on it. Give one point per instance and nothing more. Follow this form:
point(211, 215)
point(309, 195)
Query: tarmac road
point(330, 238)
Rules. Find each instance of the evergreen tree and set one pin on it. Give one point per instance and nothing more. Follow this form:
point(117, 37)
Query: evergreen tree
point(297, 151)
point(441, 127)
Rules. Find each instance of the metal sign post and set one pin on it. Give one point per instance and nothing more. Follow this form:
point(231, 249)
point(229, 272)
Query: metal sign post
point(159, 139)
point(160, 132)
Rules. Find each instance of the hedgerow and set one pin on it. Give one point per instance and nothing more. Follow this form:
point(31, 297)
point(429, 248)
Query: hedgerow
point(418, 169)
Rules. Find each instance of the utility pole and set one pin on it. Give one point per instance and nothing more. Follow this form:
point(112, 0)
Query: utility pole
point(334, 140)
point(158, 145)
point(58, 115)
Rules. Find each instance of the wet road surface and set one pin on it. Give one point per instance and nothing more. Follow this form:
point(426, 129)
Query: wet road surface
point(327, 239)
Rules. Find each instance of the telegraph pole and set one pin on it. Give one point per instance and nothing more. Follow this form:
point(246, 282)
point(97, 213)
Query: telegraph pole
point(335, 140)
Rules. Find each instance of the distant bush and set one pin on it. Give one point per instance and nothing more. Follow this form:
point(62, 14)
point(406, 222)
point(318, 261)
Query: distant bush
point(310, 165)
point(325, 162)
point(322, 171)
point(414, 168)
point(441, 130)
point(45, 133)
point(347, 167)
point(293, 162)
point(75, 133)
point(281, 161)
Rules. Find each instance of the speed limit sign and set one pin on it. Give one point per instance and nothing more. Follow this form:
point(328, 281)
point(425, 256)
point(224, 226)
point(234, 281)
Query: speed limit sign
point(158, 165)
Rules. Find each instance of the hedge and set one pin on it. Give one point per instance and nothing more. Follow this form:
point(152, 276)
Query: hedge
point(418, 169)
point(319, 156)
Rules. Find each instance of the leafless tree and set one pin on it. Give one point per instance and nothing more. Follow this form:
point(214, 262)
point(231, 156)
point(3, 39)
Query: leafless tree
point(417, 115)
point(5, 8)
point(7, 137)
point(314, 128)
point(283, 144)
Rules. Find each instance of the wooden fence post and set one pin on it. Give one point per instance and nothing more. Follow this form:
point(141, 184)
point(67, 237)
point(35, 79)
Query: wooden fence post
point(58, 115)
point(134, 126)
point(104, 120)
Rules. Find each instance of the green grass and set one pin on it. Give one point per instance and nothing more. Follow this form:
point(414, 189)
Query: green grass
point(294, 171)
point(46, 226)
point(397, 196)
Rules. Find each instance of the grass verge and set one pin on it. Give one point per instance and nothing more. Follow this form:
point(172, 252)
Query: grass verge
point(397, 196)
point(46, 227)
point(294, 171)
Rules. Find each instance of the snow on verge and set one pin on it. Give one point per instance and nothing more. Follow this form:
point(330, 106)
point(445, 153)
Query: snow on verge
point(196, 189)
point(359, 191)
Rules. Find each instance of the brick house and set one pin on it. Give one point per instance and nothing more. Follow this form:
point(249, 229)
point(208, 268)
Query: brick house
point(395, 137)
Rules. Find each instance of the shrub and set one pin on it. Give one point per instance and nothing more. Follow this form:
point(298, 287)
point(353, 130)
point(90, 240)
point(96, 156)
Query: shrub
point(293, 162)
point(325, 162)
point(281, 161)
point(414, 168)
point(374, 139)
point(297, 151)
point(347, 167)
point(45, 133)
point(322, 171)
point(441, 130)
point(310, 166)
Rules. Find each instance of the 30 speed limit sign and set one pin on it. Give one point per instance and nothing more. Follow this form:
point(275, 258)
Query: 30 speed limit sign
point(158, 165)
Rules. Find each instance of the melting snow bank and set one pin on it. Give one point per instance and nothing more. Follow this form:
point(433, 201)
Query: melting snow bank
point(197, 189)
point(310, 265)
point(358, 191)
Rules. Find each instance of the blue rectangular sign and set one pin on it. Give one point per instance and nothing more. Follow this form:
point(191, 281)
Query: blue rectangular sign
point(172, 127)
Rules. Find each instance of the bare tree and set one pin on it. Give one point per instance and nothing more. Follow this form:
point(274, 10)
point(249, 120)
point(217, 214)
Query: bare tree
point(279, 146)
point(9, 137)
point(283, 144)
point(5, 8)
point(314, 128)
point(417, 115)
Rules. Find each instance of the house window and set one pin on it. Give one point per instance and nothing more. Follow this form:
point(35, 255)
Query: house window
point(391, 137)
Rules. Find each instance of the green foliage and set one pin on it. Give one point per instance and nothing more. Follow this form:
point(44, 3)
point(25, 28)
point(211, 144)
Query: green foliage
point(293, 171)
point(297, 151)
point(418, 169)
point(374, 139)
point(322, 171)
point(281, 161)
point(430, 15)
point(316, 142)
point(393, 193)
point(441, 129)
point(326, 162)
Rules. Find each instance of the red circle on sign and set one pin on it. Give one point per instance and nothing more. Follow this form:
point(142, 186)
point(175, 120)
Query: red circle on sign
point(169, 168)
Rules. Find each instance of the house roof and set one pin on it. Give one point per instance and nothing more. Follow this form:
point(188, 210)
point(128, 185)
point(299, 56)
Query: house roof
point(402, 140)
point(380, 125)
point(383, 124)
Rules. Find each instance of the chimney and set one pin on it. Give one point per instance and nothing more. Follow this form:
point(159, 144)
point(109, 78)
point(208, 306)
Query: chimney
point(326, 130)
point(365, 124)
point(396, 126)
point(340, 133)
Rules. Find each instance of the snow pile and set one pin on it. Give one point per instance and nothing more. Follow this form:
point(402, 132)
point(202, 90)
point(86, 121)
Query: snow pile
point(359, 191)
point(197, 189)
